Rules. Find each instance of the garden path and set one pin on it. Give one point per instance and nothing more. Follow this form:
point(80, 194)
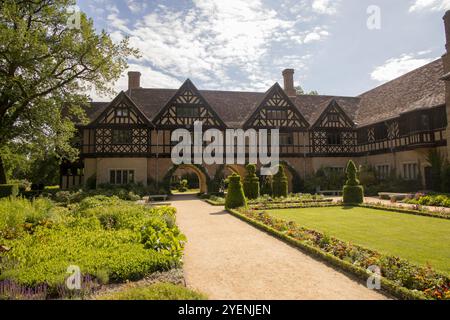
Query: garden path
point(227, 258)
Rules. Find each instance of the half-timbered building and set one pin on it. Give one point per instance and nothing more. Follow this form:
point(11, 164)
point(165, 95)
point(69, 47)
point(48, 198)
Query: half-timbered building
point(391, 127)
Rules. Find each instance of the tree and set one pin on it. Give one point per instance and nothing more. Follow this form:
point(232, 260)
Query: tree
point(235, 197)
point(280, 183)
point(251, 183)
point(353, 191)
point(437, 162)
point(47, 64)
point(301, 92)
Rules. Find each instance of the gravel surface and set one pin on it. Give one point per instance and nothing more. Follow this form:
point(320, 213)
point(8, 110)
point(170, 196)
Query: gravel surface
point(226, 258)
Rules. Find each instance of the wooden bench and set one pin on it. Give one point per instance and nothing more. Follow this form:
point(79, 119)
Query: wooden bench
point(159, 196)
point(331, 192)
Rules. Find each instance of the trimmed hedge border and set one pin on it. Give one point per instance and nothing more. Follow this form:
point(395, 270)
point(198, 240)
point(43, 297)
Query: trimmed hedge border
point(293, 206)
point(388, 286)
point(214, 203)
point(423, 213)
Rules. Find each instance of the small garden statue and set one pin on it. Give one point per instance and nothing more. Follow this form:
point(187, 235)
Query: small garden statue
point(251, 183)
point(235, 197)
point(353, 191)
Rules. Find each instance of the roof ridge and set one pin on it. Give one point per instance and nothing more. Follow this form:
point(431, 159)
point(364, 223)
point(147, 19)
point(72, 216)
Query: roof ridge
point(400, 77)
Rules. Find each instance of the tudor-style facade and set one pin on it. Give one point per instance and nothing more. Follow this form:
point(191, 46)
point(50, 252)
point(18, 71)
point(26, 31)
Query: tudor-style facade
point(391, 127)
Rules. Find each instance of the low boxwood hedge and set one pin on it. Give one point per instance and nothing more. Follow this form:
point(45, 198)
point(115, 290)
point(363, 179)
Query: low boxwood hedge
point(399, 277)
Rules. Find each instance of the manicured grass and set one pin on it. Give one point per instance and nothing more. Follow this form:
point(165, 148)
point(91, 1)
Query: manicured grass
point(158, 291)
point(418, 239)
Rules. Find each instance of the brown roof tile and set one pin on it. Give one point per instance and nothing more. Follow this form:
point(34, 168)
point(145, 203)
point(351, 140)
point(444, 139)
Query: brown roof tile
point(421, 88)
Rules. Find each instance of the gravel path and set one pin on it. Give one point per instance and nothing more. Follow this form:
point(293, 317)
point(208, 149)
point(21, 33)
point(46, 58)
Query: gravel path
point(228, 259)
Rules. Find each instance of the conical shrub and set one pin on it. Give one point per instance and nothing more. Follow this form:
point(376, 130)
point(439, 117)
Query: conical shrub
point(235, 197)
point(280, 183)
point(251, 183)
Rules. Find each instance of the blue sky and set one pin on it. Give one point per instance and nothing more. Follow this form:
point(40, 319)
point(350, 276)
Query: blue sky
point(245, 44)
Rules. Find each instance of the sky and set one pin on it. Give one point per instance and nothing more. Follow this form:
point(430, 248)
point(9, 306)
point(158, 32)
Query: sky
point(337, 47)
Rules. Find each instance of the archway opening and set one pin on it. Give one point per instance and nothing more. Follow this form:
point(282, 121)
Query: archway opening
point(186, 179)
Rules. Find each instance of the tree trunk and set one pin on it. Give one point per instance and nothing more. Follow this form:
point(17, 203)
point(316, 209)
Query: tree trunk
point(2, 172)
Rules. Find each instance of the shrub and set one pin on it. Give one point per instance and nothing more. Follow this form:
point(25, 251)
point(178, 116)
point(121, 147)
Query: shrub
point(157, 291)
point(353, 192)
point(266, 185)
point(91, 182)
point(183, 186)
point(9, 190)
point(109, 239)
point(251, 183)
point(235, 197)
point(280, 183)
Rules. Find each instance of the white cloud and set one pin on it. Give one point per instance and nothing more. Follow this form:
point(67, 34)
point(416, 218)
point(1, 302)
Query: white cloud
point(430, 5)
point(396, 67)
point(325, 6)
point(136, 6)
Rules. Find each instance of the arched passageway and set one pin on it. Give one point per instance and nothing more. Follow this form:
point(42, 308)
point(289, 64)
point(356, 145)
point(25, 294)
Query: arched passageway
point(203, 179)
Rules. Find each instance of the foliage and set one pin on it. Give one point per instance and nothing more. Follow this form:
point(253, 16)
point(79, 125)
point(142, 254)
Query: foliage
point(157, 291)
point(436, 161)
point(46, 69)
point(280, 183)
point(109, 239)
point(251, 182)
point(9, 190)
point(297, 182)
point(266, 185)
point(235, 197)
point(324, 179)
point(183, 186)
point(439, 200)
point(352, 192)
point(299, 90)
point(217, 183)
point(403, 273)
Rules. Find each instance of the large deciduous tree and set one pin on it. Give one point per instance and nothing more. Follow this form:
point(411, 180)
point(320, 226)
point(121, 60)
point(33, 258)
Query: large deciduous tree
point(50, 57)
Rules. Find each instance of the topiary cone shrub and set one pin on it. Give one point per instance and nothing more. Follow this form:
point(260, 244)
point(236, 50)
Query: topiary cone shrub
point(353, 192)
point(280, 183)
point(251, 183)
point(235, 197)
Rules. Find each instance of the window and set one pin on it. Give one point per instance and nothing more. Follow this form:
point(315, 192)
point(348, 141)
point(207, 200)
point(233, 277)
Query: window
point(410, 171)
point(383, 171)
point(121, 176)
point(121, 137)
point(122, 112)
point(286, 139)
point(276, 114)
point(333, 117)
point(334, 138)
point(188, 112)
point(335, 170)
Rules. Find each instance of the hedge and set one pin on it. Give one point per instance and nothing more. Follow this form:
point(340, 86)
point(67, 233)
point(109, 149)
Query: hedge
point(389, 286)
point(251, 183)
point(280, 183)
point(235, 197)
point(353, 192)
point(9, 190)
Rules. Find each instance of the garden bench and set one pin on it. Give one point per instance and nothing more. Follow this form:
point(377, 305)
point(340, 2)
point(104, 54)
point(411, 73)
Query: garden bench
point(331, 192)
point(159, 196)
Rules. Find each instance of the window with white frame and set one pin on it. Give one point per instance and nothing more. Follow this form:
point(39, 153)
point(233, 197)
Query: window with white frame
point(410, 171)
point(383, 171)
point(121, 176)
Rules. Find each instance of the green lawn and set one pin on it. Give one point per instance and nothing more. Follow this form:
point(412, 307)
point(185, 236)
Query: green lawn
point(415, 238)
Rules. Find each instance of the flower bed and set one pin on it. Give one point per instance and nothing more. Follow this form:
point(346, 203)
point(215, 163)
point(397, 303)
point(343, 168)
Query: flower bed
point(293, 205)
point(399, 277)
point(430, 200)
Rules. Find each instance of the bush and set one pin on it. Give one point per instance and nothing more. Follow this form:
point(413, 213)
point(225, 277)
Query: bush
point(106, 237)
point(352, 192)
point(9, 190)
point(280, 183)
point(183, 186)
point(157, 291)
point(251, 183)
point(266, 185)
point(235, 197)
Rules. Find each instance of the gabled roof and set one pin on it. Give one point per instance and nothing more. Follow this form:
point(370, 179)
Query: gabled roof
point(121, 97)
point(333, 104)
point(275, 89)
point(418, 89)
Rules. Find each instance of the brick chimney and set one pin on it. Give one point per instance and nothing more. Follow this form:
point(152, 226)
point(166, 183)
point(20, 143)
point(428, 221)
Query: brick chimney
point(134, 80)
point(288, 75)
